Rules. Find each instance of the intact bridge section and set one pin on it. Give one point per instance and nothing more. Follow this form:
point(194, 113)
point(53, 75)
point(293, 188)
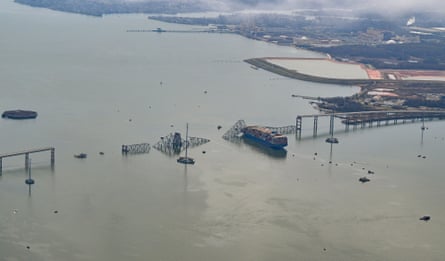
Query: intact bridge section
point(26, 153)
point(368, 119)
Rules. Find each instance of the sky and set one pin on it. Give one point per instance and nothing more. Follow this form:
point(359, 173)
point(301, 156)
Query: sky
point(380, 6)
point(375, 5)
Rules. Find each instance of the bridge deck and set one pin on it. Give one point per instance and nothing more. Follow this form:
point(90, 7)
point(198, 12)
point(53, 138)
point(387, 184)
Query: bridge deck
point(406, 113)
point(4, 155)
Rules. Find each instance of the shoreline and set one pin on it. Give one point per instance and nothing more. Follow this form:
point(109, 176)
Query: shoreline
point(268, 66)
point(374, 94)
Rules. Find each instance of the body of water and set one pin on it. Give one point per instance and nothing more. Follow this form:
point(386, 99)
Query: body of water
point(96, 87)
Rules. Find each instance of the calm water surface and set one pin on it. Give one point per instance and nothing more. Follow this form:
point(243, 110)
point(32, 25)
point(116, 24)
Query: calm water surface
point(87, 78)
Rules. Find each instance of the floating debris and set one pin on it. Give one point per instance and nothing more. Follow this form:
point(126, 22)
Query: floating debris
point(101, 153)
point(55, 211)
point(364, 179)
point(219, 127)
point(203, 152)
point(370, 172)
point(425, 218)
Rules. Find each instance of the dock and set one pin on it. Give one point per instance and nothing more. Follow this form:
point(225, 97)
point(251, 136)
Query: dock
point(27, 153)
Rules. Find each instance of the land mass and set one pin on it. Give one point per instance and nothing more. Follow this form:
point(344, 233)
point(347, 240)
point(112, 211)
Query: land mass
point(375, 94)
point(100, 8)
point(376, 42)
point(401, 41)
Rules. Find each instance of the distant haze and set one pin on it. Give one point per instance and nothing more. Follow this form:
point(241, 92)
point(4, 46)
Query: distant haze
point(394, 6)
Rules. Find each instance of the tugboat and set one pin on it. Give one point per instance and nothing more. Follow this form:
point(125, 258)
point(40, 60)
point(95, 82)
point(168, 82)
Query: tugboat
point(186, 159)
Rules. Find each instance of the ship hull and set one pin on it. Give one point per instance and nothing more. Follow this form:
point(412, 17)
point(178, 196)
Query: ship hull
point(263, 142)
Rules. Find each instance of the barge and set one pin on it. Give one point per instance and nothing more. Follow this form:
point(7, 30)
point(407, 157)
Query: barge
point(19, 114)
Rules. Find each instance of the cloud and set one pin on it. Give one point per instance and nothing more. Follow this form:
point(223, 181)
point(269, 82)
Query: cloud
point(383, 6)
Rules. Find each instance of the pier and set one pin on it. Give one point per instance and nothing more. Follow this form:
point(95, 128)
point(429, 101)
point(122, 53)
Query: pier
point(175, 31)
point(368, 119)
point(26, 153)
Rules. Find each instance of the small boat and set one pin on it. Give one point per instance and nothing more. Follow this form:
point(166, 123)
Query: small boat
point(186, 159)
point(80, 156)
point(332, 140)
point(265, 136)
point(159, 30)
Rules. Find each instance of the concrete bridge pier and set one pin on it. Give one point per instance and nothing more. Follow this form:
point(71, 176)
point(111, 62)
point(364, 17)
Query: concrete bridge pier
point(26, 161)
point(315, 126)
point(298, 126)
point(53, 156)
point(331, 125)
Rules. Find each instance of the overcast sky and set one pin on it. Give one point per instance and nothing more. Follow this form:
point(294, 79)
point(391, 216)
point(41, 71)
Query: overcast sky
point(377, 5)
point(383, 6)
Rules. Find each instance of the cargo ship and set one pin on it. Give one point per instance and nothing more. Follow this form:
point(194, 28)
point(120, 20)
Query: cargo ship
point(265, 136)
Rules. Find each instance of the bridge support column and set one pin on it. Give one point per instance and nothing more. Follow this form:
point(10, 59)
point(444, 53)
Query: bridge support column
point(1, 165)
point(315, 126)
point(53, 156)
point(298, 125)
point(331, 125)
point(26, 160)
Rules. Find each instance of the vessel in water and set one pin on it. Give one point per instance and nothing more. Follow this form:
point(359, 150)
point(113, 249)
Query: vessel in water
point(186, 159)
point(265, 136)
point(19, 114)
